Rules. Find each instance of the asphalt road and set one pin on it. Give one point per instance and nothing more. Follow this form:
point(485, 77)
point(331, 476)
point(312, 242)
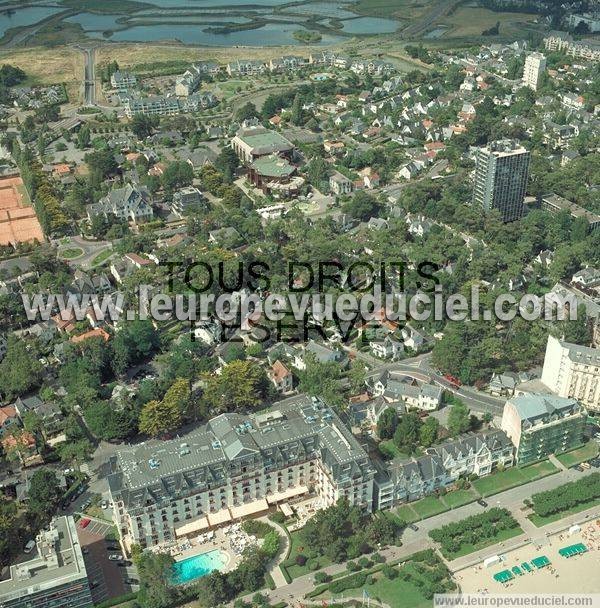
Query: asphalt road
point(89, 77)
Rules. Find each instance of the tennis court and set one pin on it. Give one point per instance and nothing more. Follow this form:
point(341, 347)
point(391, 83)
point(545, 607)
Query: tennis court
point(18, 222)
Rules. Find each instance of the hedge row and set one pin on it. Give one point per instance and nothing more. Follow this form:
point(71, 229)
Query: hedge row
point(115, 601)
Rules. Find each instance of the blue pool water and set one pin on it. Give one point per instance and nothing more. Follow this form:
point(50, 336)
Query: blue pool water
point(197, 566)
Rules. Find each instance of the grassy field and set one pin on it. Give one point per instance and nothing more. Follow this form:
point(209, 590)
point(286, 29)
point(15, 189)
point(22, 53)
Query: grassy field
point(542, 521)
point(48, 66)
point(504, 480)
point(586, 452)
point(401, 9)
point(465, 549)
point(132, 55)
point(471, 22)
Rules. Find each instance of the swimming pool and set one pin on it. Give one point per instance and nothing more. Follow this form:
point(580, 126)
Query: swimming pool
point(197, 566)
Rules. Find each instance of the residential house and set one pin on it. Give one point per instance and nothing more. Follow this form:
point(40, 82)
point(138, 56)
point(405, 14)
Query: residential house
point(502, 385)
point(388, 348)
point(49, 413)
point(186, 199)
point(225, 237)
point(131, 203)
point(395, 387)
point(281, 377)
point(22, 443)
point(245, 67)
point(340, 184)
point(123, 81)
point(587, 278)
point(418, 225)
point(9, 420)
point(321, 353)
point(476, 453)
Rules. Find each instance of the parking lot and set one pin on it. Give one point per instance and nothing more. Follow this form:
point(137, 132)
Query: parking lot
point(107, 578)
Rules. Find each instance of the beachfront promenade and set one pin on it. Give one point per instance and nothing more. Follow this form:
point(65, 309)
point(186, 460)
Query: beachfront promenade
point(413, 541)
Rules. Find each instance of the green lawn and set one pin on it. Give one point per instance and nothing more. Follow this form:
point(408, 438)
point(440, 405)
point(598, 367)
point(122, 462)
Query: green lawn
point(574, 457)
point(420, 509)
point(397, 593)
point(298, 547)
point(428, 506)
point(465, 549)
point(513, 477)
point(406, 513)
point(102, 257)
point(542, 521)
point(433, 505)
point(71, 253)
point(389, 450)
point(458, 498)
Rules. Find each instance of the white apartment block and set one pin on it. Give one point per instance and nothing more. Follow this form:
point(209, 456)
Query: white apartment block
point(573, 371)
point(234, 467)
point(153, 105)
point(535, 65)
point(580, 49)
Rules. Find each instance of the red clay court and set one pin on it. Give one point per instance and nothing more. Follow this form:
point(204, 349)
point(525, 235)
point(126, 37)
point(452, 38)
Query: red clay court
point(18, 222)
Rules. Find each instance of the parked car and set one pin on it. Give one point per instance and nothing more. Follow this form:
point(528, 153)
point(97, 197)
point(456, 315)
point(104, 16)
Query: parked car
point(115, 557)
point(482, 502)
point(585, 465)
point(30, 546)
point(104, 504)
point(84, 523)
point(413, 527)
point(579, 468)
point(131, 581)
point(85, 504)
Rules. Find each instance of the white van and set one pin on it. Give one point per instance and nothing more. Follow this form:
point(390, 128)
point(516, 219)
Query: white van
point(30, 546)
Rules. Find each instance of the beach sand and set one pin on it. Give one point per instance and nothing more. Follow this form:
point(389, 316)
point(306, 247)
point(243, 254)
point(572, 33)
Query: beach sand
point(577, 574)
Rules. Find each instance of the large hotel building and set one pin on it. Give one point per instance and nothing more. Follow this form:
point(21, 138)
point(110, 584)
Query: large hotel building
point(236, 466)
